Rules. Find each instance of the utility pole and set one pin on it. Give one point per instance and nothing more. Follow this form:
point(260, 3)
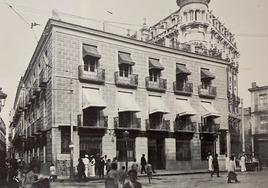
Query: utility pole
point(243, 126)
point(71, 146)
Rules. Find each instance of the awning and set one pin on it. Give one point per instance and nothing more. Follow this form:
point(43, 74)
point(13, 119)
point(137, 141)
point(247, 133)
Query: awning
point(156, 104)
point(125, 58)
point(209, 111)
point(206, 74)
point(155, 64)
point(92, 98)
point(127, 103)
point(90, 51)
point(181, 69)
point(183, 108)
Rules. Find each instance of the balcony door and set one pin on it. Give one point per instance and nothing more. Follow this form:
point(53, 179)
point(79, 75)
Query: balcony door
point(126, 119)
point(156, 120)
point(156, 152)
point(91, 117)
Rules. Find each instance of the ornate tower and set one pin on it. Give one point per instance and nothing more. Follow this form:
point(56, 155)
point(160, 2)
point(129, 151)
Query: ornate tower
point(194, 19)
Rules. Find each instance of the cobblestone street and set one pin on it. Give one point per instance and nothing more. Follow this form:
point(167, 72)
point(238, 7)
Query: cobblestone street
point(247, 180)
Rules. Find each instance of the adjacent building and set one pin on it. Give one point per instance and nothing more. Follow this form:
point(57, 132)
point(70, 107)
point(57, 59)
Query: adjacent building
point(172, 96)
point(259, 122)
point(2, 139)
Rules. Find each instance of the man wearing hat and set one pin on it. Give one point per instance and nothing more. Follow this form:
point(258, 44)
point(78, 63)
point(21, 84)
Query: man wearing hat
point(133, 183)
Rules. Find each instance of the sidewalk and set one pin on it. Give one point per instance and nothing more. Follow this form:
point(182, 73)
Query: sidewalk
point(158, 173)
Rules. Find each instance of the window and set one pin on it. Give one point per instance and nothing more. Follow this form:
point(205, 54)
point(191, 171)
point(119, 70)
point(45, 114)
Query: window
point(154, 75)
point(91, 117)
point(263, 100)
point(223, 143)
point(183, 150)
point(121, 149)
point(90, 64)
point(65, 140)
point(156, 120)
point(124, 70)
point(125, 119)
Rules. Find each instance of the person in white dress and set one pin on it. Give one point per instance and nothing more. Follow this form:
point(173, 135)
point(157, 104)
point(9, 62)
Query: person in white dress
point(86, 163)
point(227, 162)
point(243, 163)
point(210, 165)
point(92, 166)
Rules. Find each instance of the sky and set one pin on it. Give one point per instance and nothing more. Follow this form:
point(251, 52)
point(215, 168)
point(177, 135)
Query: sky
point(247, 19)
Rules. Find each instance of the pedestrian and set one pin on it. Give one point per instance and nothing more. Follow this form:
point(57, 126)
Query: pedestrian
point(149, 170)
point(227, 161)
point(143, 163)
point(210, 165)
point(92, 166)
point(97, 165)
point(135, 165)
point(108, 166)
point(122, 175)
point(112, 180)
point(81, 170)
point(31, 177)
point(105, 161)
point(133, 183)
point(243, 162)
point(53, 175)
point(215, 166)
point(86, 163)
point(101, 169)
point(231, 172)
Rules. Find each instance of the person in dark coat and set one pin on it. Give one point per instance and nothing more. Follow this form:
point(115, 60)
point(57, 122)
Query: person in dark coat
point(143, 163)
point(101, 168)
point(215, 166)
point(81, 170)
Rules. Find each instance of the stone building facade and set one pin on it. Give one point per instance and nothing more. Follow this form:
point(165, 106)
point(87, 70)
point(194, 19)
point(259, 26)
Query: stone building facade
point(173, 102)
point(259, 122)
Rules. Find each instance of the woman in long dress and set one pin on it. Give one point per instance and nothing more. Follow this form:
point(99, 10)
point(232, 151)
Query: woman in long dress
point(243, 163)
point(210, 165)
point(92, 166)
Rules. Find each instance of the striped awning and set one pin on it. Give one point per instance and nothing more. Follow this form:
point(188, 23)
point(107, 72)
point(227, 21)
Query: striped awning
point(156, 104)
point(209, 111)
point(92, 98)
point(90, 51)
point(125, 58)
point(127, 103)
point(206, 75)
point(181, 69)
point(184, 108)
point(155, 64)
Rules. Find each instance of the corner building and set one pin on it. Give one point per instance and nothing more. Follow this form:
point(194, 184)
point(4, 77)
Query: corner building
point(173, 102)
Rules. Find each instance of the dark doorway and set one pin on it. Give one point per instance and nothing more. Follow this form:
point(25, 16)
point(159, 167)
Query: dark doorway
point(156, 153)
point(90, 146)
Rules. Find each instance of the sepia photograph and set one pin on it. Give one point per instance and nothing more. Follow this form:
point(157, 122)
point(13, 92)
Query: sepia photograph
point(133, 93)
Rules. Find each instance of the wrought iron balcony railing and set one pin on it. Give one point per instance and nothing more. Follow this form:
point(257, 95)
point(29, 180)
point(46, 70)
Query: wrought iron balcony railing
point(209, 128)
point(207, 92)
point(130, 81)
point(159, 85)
point(157, 126)
point(135, 123)
point(85, 75)
point(102, 123)
point(261, 108)
point(185, 127)
point(185, 88)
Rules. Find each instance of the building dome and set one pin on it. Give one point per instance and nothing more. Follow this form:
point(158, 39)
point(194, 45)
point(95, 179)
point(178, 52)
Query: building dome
point(182, 3)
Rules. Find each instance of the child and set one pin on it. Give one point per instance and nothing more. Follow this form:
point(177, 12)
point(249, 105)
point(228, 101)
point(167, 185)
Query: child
point(149, 171)
point(53, 175)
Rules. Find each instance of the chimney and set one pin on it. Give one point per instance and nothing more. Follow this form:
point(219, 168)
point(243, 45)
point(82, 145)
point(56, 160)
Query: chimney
point(254, 85)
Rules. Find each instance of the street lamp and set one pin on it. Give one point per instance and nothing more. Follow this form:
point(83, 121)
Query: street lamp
point(126, 136)
point(3, 97)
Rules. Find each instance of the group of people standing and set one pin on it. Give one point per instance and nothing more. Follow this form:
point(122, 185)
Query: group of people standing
point(92, 166)
point(230, 165)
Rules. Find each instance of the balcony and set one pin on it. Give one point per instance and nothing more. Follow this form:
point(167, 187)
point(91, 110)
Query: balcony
point(212, 128)
point(101, 124)
point(97, 77)
point(43, 77)
point(183, 89)
point(131, 81)
point(36, 88)
point(135, 124)
point(160, 85)
point(185, 128)
point(207, 92)
point(157, 126)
